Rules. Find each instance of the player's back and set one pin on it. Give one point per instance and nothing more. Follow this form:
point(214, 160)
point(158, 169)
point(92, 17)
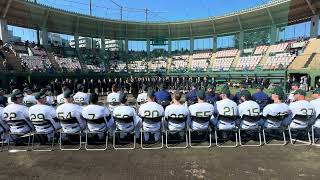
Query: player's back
point(176, 111)
point(94, 111)
point(69, 111)
point(249, 108)
point(43, 116)
point(151, 110)
point(123, 112)
point(301, 107)
point(316, 106)
point(227, 107)
point(16, 113)
point(113, 97)
point(81, 98)
point(201, 109)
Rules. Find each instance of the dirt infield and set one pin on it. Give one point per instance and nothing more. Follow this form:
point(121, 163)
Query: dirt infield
point(266, 162)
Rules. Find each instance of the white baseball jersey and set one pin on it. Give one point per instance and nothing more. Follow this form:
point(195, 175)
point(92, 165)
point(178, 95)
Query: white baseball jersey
point(16, 112)
point(301, 107)
point(142, 97)
point(60, 99)
point(226, 107)
point(95, 112)
point(42, 113)
point(4, 125)
point(124, 111)
point(81, 98)
point(113, 97)
point(275, 109)
point(29, 99)
point(201, 110)
point(177, 111)
point(50, 100)
point(249, 108)
point(68, 111)
point(151, 110)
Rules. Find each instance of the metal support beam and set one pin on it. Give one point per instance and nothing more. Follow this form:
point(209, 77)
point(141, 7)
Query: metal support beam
point(45, 20)
point(311, 7)
point(270, 15)
point(239, 21)
point(213, 27)
point(214, 43)
point(169, 40)
point(4, 15)
point(77, 25)
point(314, 26)
point(3, 30)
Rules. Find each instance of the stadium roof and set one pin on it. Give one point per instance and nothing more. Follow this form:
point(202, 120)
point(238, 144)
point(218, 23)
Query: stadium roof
point(35, 16)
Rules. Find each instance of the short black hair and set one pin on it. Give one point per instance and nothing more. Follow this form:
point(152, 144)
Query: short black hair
point(94, 98)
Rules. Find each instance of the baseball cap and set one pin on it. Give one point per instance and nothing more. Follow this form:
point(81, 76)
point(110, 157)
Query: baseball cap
point(26, 89)
point(225, 90)
point(40, 95)
point(201, 94)
point(245, 93)
point(260, 86)
point(68, 94)
point(16, 94)
point(278, 91)
point(316, 91)
point(123, 97)
point(300, 92)
point(151, 93)
point(210, 86)
point(295, 84)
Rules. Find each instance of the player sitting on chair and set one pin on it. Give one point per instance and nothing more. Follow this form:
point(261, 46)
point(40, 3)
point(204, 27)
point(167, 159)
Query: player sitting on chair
point(43, 116)
point(98, 117)
point(301, 111)
point(200, 110)
point(249, 111)
point(176, 110)
point(81, 97)
point(151, 111)
point(163, 97)
point(276, 109)
point(113, 97)
point(17, 115)
point(70, 114)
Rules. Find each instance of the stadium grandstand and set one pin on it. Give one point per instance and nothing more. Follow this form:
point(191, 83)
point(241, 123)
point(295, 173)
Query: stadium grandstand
point(92, 56)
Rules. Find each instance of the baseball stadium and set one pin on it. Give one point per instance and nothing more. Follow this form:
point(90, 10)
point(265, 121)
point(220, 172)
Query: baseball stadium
point(119, 89)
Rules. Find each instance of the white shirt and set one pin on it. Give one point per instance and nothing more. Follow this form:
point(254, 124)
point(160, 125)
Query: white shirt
point(70, 110)
point(142, 97)
point(124, 111)
point(249, 108)
point(41, 113)
point(29, 99)
point(60, 99)
point(226, 107)
point(95, 112)
point(176, 111)
point(151, 110)
point(201, 110)
point(301, 107)
point(275, 109)
point(316, 106)
point(81, 98)
point(113, 97)
point(15, 112)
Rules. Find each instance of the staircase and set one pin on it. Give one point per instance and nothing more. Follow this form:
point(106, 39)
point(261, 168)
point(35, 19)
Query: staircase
point(53, 61)
point(213, 58)
point(264, 57)
point(236, 60)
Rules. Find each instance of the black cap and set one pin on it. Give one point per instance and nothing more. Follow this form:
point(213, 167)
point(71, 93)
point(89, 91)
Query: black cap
point(16, 94)
point(40, 95)
point(123, 97)
point(278, 91)
point(151, 93)
point(210, 86)
point(246, 94)
point(94, 97)
point(201, 94)
point(68, 94)
point(225, 90)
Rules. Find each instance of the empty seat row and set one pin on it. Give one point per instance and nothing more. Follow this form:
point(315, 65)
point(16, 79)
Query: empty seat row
point(248, 63)
point(222, 64)
point(227, 53)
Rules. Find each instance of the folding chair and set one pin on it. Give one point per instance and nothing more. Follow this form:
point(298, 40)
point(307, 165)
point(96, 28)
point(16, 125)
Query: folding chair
point(70, 122)
point(208, 131)
point(45, 124)
point(227, 120)
point(100, 121)
point(253, 120)
point(313, 128)
point(124, 120)
point(142, 131)
point(298, 119)
point(278, 119)
point(167, 131)
point(19, 124)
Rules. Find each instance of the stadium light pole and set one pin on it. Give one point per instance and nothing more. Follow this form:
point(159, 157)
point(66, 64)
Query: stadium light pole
point(121, 8)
